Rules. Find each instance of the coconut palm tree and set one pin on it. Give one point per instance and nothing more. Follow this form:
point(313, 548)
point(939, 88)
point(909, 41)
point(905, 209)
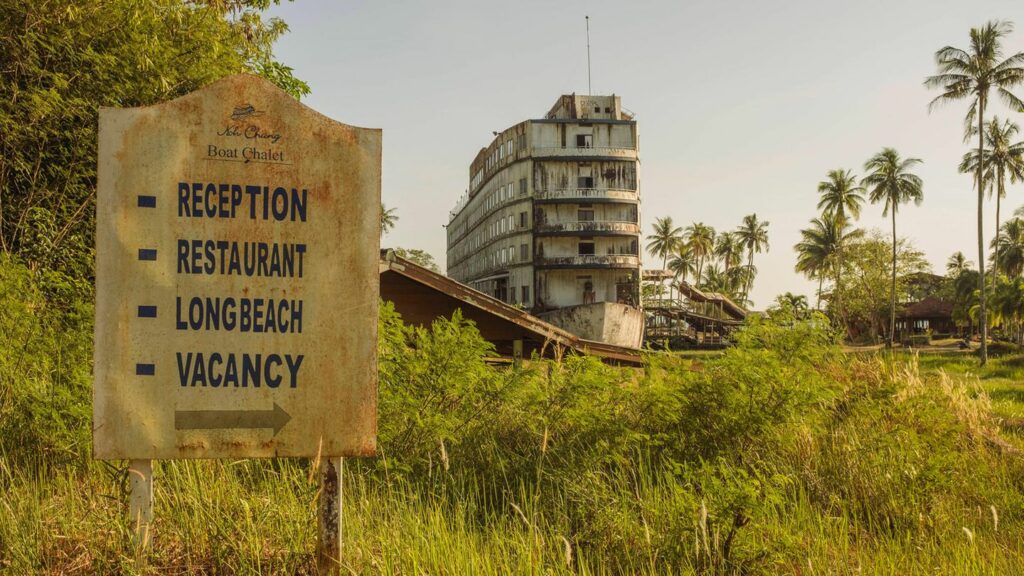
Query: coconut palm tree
point(889, 180)
point(795, 304)
point(840, 194)
point(388, 218)
point(957, 263)
point(819, 248)
point(729, 250)
point(970, 75)
point(741, 277)
point(843, 197)
point(665, 239)
point(1004, 158)
point(683, 262)
point(701, 239)
point(1008, 305)
point(753, 235)
point(1009, 248)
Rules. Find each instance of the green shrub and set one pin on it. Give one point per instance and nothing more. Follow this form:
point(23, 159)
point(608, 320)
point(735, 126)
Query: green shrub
point(45, 366)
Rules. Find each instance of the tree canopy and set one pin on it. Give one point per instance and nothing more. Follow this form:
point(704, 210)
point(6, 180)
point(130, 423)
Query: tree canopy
point(61, 60)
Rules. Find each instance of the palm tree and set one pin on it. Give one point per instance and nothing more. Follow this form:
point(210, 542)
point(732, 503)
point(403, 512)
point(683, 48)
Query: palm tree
point(819, 248)
point(753, 235)
point(683, 262)
point(970, 75)
point(957, 263)
point(665, 239)
point(796, 304)
point(889, 180)
point(1009, 248)
point(1008, 304)
point(741, 277)
point(1004, 159)
point(388, 218)
point(714, 279)
point(840, 194)
point(729, 250)
point(701, 240)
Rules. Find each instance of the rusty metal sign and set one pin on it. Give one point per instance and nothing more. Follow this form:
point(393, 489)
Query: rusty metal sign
point(236, 278)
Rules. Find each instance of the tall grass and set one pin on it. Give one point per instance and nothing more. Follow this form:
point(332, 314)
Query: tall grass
point(780, 456)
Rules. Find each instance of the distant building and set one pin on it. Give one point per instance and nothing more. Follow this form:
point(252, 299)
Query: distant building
point(551, 220)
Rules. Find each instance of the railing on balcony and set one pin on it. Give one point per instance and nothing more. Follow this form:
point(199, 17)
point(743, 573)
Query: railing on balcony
point(586, 193)
point(587, 227)
point(613, 151)
point(614, 260)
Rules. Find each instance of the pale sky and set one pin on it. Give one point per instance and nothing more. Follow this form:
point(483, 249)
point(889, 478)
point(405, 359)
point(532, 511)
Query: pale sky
point(742, 106)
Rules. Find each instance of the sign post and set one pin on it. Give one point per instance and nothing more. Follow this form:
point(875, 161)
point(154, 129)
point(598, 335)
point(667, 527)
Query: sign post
point(236, 284)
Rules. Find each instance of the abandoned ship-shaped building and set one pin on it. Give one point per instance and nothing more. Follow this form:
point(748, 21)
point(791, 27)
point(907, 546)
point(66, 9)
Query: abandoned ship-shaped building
point(551, 220)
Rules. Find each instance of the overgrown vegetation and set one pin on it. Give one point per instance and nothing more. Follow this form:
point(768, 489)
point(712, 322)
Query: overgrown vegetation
point(781, 455)
point(60, 60)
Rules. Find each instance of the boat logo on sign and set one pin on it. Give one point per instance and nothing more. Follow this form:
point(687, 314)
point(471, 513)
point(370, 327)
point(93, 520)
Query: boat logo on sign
point(246, 111)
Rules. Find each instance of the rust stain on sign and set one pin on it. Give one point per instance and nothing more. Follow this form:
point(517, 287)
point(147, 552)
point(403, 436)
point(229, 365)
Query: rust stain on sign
point(234, 228)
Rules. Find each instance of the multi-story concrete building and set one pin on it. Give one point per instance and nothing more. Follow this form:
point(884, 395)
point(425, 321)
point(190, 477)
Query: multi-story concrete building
point(551, 219)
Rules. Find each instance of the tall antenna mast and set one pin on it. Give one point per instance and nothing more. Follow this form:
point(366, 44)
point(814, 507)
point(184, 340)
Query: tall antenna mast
point(590, 90)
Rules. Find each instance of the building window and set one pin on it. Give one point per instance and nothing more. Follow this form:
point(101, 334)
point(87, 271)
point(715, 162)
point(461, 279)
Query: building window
point(522, 219)
point(584, 175)
point(586, 247)
point(526, 294)
point(524, 255)
point(584, 140)
point(597, 109)
point(522, 186)
point(585, 213)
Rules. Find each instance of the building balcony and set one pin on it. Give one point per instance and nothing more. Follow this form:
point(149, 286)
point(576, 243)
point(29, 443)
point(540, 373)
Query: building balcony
point(587, 228)
point(616, 152)
point(588, 261)
point(574, 195)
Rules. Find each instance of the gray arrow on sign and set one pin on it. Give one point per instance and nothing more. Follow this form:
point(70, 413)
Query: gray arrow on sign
point(222, 419)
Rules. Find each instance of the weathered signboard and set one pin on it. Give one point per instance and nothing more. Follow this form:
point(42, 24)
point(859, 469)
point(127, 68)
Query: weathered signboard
point(236, 278)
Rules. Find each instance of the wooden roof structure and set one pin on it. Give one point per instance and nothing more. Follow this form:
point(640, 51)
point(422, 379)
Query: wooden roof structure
point(930, 307)
point(729, 307)
point(421, 295)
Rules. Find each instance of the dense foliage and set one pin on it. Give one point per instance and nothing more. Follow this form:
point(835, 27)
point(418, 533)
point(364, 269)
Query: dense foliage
point(60, 60)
